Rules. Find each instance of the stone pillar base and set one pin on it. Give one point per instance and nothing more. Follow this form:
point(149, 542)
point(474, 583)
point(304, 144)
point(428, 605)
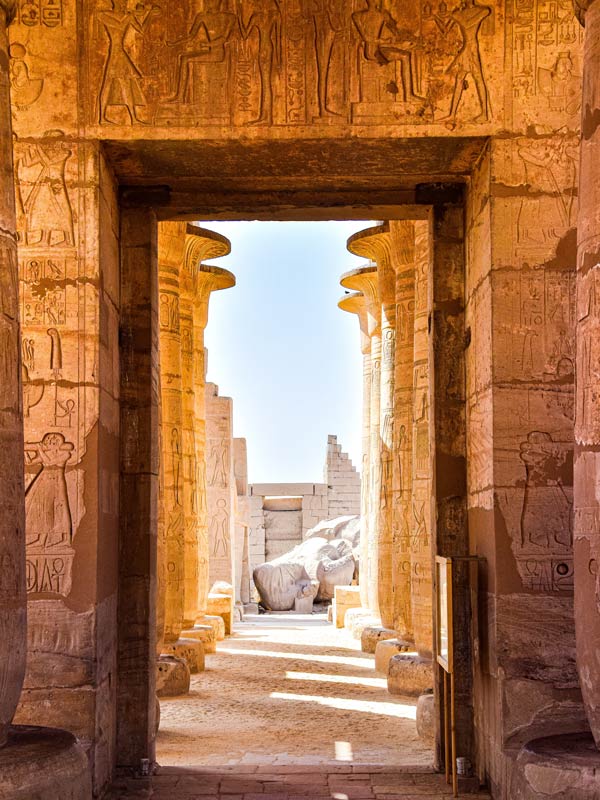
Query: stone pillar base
point(357, 619)
point(344, 598)
point(371, 637)
point(216, 623)
point(409, 674)
point(386, 649)
point(563, 767)
point(426, 718)
point(251, 608)
point(221, 605)
point(191, 650)
point(44, 764)
point(205, 634)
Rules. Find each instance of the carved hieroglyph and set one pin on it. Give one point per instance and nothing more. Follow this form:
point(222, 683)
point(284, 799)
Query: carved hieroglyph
point(403, 249)
point(375, 245)
point(365, 281)
point(13, 624)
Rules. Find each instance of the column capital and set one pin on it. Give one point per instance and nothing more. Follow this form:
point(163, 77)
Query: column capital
point(376, 245)
point(355, 303)
point(366, 281)
point(581, 6)
point(10, 9)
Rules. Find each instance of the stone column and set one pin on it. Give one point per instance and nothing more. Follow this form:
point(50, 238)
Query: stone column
point(209, 279)
point(375, 244)
point(365, 280)
point(13, 613)
point(403, 248)
point(587, 426)
point(354, 303)
point(171, 249)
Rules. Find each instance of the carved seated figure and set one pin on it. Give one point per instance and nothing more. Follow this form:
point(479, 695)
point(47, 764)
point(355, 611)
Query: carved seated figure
point(315, 566)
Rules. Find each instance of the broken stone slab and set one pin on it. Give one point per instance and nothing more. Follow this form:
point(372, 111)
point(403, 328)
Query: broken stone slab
point(191, 650)
point(221, 605)
point(374, 634)
point(409, 674)
point(172, 677)
point(385, 650)
point(216, 623)
point(44, 764)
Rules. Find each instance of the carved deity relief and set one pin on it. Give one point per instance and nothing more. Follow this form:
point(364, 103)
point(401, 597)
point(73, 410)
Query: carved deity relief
point(290, 62)
point(218, 471)
point(219, 532)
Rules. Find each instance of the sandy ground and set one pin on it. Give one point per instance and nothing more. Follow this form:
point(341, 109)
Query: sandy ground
point(289, 690)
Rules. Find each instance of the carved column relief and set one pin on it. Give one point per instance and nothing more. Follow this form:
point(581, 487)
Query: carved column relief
point(587, 429)
point(422, 468)
point(202, 245)
point(403, 249)
point(171, 250)
point(375, 244)
point(355, 303)
point(365, 281)
point(13, 617)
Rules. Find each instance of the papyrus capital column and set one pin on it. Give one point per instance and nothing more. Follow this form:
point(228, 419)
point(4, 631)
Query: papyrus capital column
point(355, 303)
point(13, 614)
point(203, 244)
point(586, 540)
point(375, 244)
point(365, 281)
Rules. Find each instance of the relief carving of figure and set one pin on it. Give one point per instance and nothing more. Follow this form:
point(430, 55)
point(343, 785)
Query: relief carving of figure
point(219, 457)
point(48, 514)
point(470, 17)
point(561, 86)
point(384, 42)
point(219, 531)
point(546, 518)
point(326, 17)
point(265, 21)
point(206, 42)
point(121, 85)
point(46, 212)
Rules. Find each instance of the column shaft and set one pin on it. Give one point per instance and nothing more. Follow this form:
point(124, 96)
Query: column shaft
point(587, 427)
point(374, 477)
point(13, 614)
point(386, 435)
point(366, 473)
point(403, 433)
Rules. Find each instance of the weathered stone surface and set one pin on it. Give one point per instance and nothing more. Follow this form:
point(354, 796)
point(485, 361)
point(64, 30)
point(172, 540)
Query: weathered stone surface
point(216, 623)
point(44, 764)
point(426, 718)
point(190, 650)
point(205, 634)
point(172, 676)
point(344, 599)
point(221, 605)
point(409, 674)
point(558, 768)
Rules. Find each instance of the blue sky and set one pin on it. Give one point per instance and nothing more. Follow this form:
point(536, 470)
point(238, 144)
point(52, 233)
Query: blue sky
point(279, 345)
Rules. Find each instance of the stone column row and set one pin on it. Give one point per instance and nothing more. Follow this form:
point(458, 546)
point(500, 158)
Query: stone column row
point(391, 297)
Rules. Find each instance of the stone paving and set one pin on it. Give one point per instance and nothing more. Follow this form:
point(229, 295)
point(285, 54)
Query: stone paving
point(289, 709)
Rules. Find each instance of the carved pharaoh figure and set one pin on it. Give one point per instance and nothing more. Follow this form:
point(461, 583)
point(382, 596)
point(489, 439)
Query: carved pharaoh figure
point(327, 21)
point(121, 85)
point(265, 21)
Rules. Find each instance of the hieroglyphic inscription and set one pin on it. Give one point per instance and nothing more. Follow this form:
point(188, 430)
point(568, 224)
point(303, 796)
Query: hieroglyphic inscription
point(47, 13)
